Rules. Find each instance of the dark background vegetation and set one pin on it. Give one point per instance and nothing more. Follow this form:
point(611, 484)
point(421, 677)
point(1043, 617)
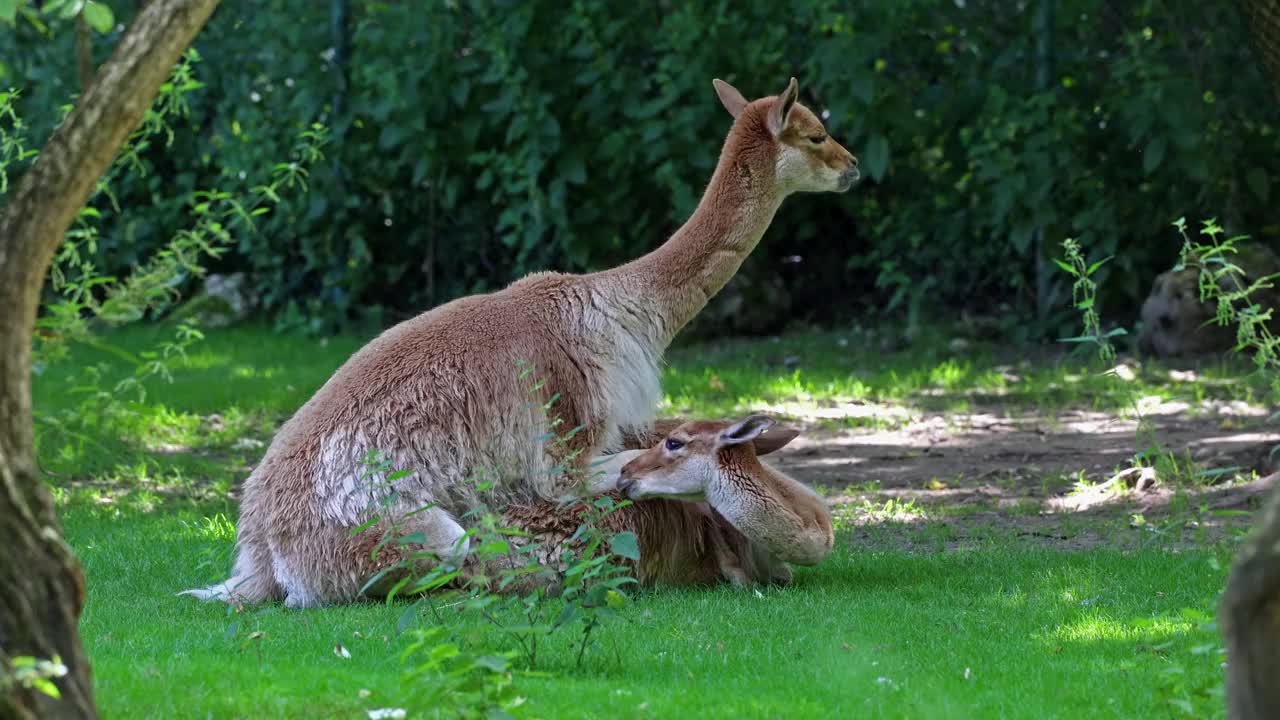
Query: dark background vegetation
point(477, 141)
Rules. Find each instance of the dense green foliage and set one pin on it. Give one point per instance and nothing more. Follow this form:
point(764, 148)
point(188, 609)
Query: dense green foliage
point(474, 142)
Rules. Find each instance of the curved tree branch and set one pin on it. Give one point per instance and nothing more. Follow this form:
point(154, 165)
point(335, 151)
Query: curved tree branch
point(41, 583)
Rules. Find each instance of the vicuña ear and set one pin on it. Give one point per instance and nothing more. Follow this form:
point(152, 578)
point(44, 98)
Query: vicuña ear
point(781, 109)
point(776, 439)
point(745, 430)
point(729, 97)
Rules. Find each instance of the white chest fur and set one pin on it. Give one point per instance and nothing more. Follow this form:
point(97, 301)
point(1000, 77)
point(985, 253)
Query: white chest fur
point(631, 386)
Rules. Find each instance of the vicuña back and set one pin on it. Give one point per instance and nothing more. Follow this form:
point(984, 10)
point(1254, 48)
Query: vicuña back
point(442, 394)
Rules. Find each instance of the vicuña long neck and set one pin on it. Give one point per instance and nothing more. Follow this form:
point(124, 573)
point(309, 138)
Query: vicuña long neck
point(773, 511)
point(678, 278)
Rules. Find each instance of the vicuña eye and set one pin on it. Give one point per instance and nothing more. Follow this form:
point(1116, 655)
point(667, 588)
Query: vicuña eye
point(674, 444)
point(818, 139)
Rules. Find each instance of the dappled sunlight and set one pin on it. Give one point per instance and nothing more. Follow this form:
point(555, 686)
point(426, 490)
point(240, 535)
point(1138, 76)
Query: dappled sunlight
point(262, 373)
point(1098, 626)
point(1244, 438)
point(1013, 599)
point(205, 359)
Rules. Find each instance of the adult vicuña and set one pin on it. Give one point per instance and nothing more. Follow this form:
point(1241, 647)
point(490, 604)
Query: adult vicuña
point(441, 393)
point(716, 463)
point(681, 543)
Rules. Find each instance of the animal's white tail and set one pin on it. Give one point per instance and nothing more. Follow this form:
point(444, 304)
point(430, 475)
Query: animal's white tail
point(250, 583)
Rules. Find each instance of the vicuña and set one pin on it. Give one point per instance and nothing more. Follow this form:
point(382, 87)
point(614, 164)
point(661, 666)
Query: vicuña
point(442, 394)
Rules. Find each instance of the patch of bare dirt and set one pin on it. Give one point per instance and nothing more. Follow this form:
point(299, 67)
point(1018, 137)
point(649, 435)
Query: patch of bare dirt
point(990, 471)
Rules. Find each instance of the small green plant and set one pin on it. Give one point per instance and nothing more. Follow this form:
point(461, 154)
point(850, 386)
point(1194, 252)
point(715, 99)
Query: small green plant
point(1224, 284)
point(34, 673)
point(892, 510)
point(13, 137)
point(529, 591)
point(447, 681)
point(1084, 294)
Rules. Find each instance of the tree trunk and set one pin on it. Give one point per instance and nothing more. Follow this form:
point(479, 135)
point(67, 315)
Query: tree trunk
point(1250, 622)
point(1264, 24)
point(42, 587)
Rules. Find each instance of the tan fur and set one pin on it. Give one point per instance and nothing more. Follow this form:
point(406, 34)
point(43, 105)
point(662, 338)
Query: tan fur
point(1176, 323)
point(680, 543)
point(717, 463)
point(442, 396)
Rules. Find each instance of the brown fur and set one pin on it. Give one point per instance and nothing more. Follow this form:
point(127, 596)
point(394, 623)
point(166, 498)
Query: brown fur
point(442, 393)
point(719, 462)
point(680, 543)
point(1176, 323)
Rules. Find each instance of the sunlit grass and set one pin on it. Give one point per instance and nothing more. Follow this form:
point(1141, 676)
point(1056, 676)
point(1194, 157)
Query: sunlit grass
point(998, 629)
point(1001, 630)
point(234, 389)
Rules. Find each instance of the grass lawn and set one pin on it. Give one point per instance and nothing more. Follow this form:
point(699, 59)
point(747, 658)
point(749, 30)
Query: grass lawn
point(997, 627)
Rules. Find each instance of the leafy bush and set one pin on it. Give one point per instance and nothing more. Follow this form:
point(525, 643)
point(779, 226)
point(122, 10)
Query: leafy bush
point(80, 297)
point(475, 142)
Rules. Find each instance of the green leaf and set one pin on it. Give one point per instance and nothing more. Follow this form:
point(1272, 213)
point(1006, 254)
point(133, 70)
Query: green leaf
point(65, 9)
point(1259, 183)
point(98, 16)
point(625, 544)
point(47, 687)
point(417, 538)
point(1094, 267)
point(573, 168)
point(494, 547)
point(876, 157)
point(1154, 153)
point(9, 9)
point(863, 87)
point(569, 612)
point(496, 663)
point(377, 576)
point(1066, 267)
point(431, 582)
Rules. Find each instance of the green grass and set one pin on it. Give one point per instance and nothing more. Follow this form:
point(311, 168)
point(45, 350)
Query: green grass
point(239, 384)
point(869, 633)
point(1044, 634)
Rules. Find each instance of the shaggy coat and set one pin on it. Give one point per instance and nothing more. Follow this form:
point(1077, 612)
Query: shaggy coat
point(477, 388)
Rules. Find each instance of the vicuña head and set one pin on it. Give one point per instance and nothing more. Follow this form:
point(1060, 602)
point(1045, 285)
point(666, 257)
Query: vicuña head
point(717, 462)
point(808, 159)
